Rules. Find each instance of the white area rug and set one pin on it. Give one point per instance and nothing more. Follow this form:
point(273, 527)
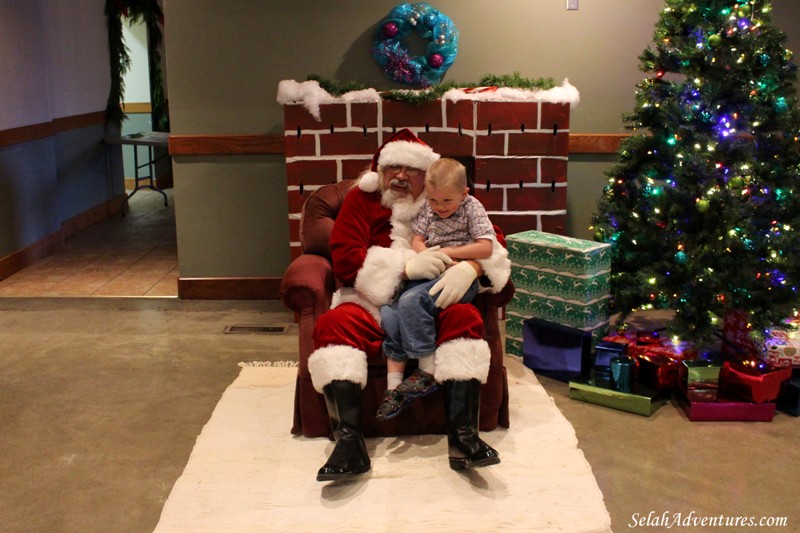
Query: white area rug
point(247, 473)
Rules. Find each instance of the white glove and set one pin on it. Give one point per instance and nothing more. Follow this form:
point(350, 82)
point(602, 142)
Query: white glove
point(427, 264)
point(453, 284)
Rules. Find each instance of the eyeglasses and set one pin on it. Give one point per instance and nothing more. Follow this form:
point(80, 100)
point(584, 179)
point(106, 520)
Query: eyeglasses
point(410, 171)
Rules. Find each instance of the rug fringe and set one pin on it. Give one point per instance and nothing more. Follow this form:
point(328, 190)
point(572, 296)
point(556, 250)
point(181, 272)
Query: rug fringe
point(271, 364)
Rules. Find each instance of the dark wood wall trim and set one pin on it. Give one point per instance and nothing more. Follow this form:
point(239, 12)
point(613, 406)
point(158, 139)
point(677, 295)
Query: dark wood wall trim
point(228, 288)
point(225, 144)
point(25, 134)
point(34, 132)
point(79, 121)
point(579, 143)
point(595, 143)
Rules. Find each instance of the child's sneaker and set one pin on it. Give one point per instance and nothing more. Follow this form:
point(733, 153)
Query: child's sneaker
point(418, 384)
point(392, 405)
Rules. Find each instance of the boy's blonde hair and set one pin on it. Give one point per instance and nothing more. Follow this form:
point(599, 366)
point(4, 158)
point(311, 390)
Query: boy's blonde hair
point(446, 172)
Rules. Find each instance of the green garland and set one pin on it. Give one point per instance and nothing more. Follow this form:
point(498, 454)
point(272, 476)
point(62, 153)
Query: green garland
point(149, 12)
point(423, 96)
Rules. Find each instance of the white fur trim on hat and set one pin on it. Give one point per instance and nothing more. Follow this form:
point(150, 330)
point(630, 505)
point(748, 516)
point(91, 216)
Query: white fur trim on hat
point(407, 153)
point(497, 267)
point(369, 182)
point(462, 360)
point(337, 362)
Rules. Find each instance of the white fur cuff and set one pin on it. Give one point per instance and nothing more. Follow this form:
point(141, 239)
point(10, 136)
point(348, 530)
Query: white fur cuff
point(462, 360)
point(337, 362)
point(497, 267)
point(381, 274)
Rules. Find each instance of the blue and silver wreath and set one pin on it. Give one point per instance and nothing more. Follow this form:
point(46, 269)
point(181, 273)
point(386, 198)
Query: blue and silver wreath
point(393, 57)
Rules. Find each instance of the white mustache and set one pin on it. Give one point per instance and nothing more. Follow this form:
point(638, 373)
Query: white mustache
point(403, 184)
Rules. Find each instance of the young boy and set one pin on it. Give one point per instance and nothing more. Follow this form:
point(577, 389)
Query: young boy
point(456, 222)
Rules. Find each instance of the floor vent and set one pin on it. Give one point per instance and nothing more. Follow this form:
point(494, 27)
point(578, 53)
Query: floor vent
point(271, 330)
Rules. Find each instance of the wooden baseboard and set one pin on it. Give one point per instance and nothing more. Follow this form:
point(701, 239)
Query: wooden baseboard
point(13, 263)
point(228, 288)
point(96, 214)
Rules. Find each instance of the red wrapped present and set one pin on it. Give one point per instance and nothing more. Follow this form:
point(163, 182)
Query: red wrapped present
point(737, 342)
point(621, 339)
point(728, 409)
point(678, 350)
point(782, 352)
point(657, 371)
point(648, 338)
point(752, 383)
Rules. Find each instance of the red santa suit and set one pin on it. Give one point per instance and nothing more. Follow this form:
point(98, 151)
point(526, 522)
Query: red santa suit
point(370, 245)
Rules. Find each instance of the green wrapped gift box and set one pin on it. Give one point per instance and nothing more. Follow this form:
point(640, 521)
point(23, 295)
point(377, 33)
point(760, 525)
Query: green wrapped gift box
point(640, 400)
point(560, 279)
point(556, 253)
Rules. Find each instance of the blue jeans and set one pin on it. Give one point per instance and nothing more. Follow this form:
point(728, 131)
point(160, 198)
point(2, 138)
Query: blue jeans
point(410, 320)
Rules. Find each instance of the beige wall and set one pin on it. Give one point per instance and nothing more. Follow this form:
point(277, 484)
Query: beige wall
point(226, 59)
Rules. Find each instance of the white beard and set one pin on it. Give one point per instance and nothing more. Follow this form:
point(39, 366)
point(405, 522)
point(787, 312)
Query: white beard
point(403, 207)
point(404, 210)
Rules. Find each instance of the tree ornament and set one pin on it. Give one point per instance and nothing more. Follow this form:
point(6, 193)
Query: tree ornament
point(440, 53)
point(736, 182)
point(680, 257)
point(714, 40)
point(780, 106)
point(744, 11)
point(702, 205)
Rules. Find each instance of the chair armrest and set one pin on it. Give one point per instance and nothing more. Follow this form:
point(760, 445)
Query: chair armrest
point(499, 299)
point(308, 284)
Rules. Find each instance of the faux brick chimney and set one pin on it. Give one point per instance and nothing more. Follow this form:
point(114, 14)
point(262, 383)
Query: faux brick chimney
point(516, 152)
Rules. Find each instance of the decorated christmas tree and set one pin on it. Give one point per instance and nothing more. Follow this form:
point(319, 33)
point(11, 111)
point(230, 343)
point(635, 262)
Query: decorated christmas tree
point(703, 205)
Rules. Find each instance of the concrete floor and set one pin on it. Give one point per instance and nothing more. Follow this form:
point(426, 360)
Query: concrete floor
point(101, 400)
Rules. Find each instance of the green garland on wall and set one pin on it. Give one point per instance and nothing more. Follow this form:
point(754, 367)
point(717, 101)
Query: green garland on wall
point(149, 12)
point(422, 96)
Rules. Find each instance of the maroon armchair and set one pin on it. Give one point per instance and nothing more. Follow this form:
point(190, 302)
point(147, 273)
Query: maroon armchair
point(307, 287)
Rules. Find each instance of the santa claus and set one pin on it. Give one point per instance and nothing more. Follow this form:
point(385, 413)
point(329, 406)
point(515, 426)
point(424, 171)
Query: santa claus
point(372, 256)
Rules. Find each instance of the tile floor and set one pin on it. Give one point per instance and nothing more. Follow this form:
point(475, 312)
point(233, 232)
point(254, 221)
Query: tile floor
point(131, 255)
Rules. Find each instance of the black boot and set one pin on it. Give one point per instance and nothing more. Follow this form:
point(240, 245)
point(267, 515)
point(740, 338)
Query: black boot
point(462, 401)
point(349, 456)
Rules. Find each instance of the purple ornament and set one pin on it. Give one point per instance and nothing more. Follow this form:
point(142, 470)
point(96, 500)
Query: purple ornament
point(435, 60)
point(390, 29)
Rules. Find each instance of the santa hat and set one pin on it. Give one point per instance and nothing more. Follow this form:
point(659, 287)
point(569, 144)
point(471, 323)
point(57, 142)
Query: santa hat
point(402, 148)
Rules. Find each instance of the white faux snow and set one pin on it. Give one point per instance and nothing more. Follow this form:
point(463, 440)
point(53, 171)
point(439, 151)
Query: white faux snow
point(311, 95)
point(566, 93)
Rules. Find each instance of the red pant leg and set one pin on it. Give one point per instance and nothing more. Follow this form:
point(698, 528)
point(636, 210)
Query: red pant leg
point(344, 338)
